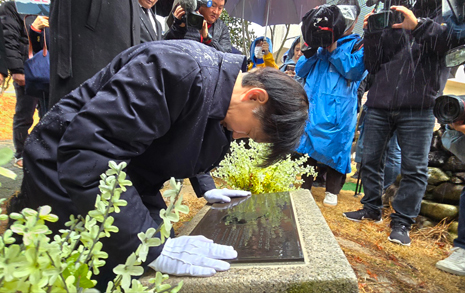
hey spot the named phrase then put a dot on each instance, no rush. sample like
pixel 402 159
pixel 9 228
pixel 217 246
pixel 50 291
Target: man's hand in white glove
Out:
pixel 193 256
pixel 224 195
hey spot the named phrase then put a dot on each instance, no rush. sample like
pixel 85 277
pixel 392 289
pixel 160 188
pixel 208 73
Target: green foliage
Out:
pixel 5 156
pixel 69 262
pixel 240 170
pixel 241 35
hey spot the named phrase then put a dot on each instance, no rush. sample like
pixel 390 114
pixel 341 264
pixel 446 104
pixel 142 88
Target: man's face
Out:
pixel 241 119
pixel 246 126
pixel 211 14
pixel 147 3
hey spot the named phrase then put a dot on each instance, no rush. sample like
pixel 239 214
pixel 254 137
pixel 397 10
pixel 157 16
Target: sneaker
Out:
pixel 330 199
pixel 455 263
pixel 364 214
pixel 399 234
pixel 18 163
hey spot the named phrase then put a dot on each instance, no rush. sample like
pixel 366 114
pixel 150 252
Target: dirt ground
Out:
pixel 380 265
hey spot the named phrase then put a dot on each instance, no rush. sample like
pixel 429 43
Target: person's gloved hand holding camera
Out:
pixel 193 256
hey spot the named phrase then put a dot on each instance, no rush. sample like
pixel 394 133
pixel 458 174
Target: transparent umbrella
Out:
pixel 271 12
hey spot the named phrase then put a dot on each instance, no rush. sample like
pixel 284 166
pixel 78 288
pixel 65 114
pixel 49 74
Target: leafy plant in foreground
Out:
pixel 69 262
pixel 240 170
pixel 5 156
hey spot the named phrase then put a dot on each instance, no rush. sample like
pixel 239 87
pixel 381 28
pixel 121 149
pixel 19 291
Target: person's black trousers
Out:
pixel 334 179
pixel 23 118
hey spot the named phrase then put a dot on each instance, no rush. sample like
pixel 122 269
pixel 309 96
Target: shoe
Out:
pixel 455 263
pixel 399 234
pixel 364 214
pixel 18 163
pixel 330 199
pixel 319 184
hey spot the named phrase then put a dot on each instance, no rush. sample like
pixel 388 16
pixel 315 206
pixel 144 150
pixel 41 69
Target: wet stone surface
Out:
pixel 261 228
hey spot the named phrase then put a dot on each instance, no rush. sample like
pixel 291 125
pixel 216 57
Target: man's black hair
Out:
pixel 350 2
pixel 285 114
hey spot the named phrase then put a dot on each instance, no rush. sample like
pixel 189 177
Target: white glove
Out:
pixel 224 195
pixel 193 256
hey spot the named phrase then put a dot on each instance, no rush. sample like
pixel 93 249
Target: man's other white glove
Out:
pixel 224 195
pixel 193 256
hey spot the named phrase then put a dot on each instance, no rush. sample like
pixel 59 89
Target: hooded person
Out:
pixel 260 53
pixel 332 76
pixel 293 55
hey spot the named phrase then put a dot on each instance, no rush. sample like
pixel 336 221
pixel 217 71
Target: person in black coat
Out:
pixel 167 112
pixel 150 27
pixel 407 62
pixel 87 35
pixel 16 48
pixel 3 65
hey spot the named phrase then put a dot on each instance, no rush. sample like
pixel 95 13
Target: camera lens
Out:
pixel 448 109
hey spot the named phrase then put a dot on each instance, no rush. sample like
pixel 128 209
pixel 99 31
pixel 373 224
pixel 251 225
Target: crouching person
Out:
pixel 167 109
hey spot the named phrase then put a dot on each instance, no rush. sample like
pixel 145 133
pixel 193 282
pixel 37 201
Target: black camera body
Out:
pixel 383 19
pixel 386 17
pixel 449 108
pixel 193 18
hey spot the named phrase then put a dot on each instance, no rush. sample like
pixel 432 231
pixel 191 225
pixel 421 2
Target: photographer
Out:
pixel 409 73
pixel 453 139
pixel 332 73
pixel 213 33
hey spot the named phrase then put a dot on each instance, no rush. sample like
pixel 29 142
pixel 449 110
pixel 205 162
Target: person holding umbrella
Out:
pixel 260 53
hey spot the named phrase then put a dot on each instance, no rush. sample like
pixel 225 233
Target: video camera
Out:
pixel 449 108
pixel 385 17
pixel 325 24
pixel 192 17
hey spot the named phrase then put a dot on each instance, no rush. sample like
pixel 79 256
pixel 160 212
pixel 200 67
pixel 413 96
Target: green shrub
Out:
pixel 240 170
pixel 70 261
pixel 5 156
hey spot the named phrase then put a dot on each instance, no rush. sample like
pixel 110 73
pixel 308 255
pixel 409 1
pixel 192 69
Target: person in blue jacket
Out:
pixel 292 57
pixel 332 76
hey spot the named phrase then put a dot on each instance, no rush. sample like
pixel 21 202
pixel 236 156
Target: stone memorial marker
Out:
pixel 261 228
pixel 266 225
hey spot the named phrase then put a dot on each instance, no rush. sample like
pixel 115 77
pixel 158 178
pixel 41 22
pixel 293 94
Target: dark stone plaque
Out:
pixel 261 228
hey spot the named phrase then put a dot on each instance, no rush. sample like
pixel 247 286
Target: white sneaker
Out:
pixel 455 263
pixel 330 199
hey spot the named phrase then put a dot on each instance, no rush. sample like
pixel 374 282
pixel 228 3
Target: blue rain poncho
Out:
pixel 331 83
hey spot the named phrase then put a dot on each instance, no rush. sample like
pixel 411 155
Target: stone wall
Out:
pixel 445 183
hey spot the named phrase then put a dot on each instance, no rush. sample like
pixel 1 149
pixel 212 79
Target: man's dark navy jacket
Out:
pixel 156 106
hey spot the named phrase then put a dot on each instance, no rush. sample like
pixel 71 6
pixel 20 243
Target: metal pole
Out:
pixel 267 15
pixel 359 184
